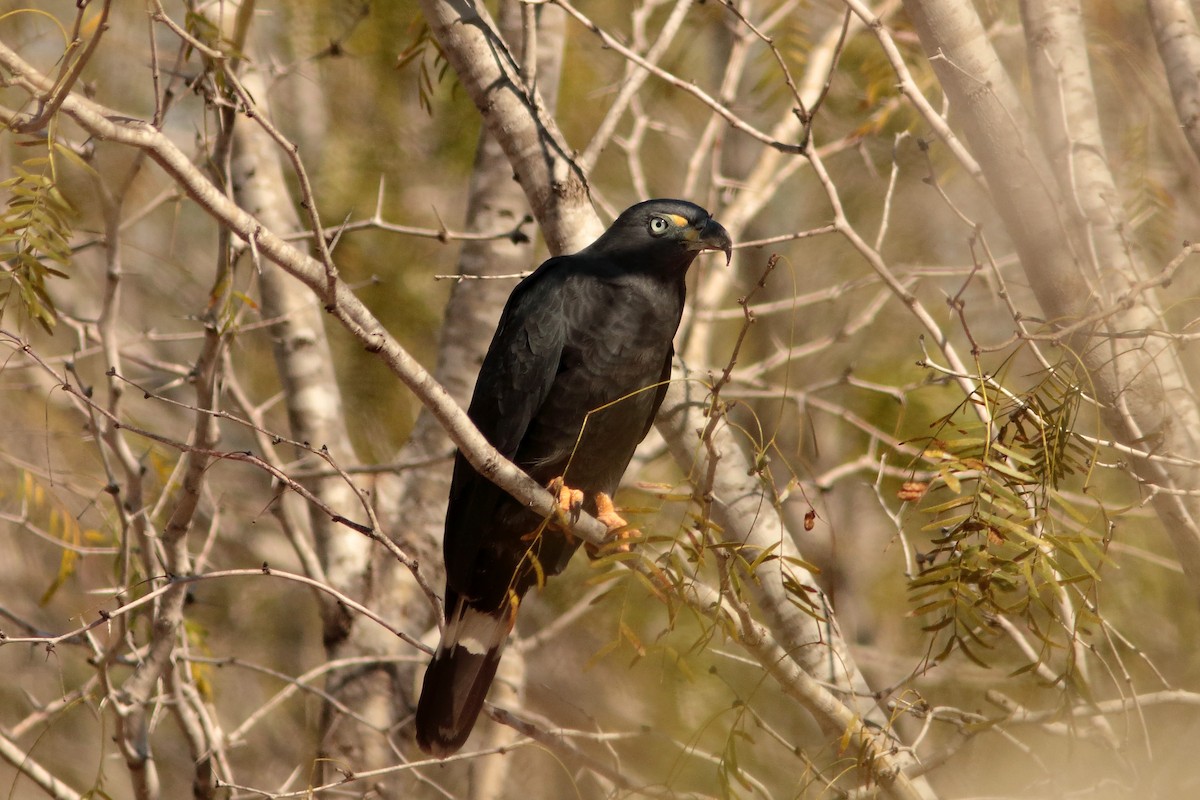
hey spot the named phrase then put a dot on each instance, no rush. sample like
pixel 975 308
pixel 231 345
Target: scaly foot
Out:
pixel 619 531
pixel 569 500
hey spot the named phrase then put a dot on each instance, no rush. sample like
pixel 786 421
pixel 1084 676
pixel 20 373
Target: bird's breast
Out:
pixel 604 393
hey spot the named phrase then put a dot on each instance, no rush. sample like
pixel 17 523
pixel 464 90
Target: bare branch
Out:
pixel 734 121
pixel 72 66
pixel 1130 383
pixel 28 766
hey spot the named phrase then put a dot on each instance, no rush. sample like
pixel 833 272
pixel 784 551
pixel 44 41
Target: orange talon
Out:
pixel 569 500
pixel 618 529
pixel 606 512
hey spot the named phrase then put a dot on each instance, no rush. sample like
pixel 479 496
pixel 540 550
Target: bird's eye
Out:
pixel 658 225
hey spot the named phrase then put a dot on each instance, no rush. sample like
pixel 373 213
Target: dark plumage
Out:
pixel 589 332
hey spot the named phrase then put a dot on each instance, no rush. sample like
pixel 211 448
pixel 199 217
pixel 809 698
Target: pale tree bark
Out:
pixel 413 503
pixel 315 415
pixel 800 618
pixel 31 768
pixel 331 553
pixel 1141 390
pixel 771 619
pixel 302 355
pixel 166 552
pixel 537 152
pixel 107 124
pixel 134 700
pixel 1069 121
pixel 1174 23
pixel 342 304
pixel 512 113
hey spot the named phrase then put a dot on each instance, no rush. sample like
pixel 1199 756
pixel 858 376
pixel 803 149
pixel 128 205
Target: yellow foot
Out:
pixel 618 529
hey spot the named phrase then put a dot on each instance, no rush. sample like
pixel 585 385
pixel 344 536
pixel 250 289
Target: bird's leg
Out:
pixel 569 500
pixel 619 531
pixel 606 512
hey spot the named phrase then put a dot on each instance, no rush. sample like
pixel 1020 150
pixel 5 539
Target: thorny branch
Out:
pixel 711 166
pixel 363 325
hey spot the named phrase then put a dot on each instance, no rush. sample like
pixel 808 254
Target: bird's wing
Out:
pixel 522 360
pixel 517 374
pixel 660 391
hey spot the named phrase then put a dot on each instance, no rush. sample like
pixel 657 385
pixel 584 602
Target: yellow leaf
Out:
pixel 847 736
pixel 66 568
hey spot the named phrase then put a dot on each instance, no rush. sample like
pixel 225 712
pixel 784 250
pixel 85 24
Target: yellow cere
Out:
pixel 678 220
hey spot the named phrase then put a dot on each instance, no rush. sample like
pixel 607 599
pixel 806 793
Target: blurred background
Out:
pixel 1054 665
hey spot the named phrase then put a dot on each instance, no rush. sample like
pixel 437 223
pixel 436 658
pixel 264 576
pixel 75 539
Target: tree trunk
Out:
pixel 1138 383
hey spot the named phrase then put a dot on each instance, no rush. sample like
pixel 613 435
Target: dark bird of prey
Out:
pixel 570 385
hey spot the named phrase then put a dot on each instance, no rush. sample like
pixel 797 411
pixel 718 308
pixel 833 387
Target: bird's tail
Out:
pixel 459 676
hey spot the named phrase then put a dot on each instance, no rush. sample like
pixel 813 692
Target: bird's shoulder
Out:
pixel 596 273
pixel 557 288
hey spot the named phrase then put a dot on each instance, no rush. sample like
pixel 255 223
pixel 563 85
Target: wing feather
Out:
pixel 517 375
pixel 660 391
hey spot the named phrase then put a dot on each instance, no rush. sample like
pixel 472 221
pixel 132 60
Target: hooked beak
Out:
pixel 712 236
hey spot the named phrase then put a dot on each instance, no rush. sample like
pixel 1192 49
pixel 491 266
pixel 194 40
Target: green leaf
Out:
pixel 66 568
pixel 947 523
pixel 1010 471
pixel 962 645
pixel 934 605
pixel 762 557
pixel 949 504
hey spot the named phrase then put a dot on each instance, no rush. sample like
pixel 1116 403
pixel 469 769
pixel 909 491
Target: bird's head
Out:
pixel 672 229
